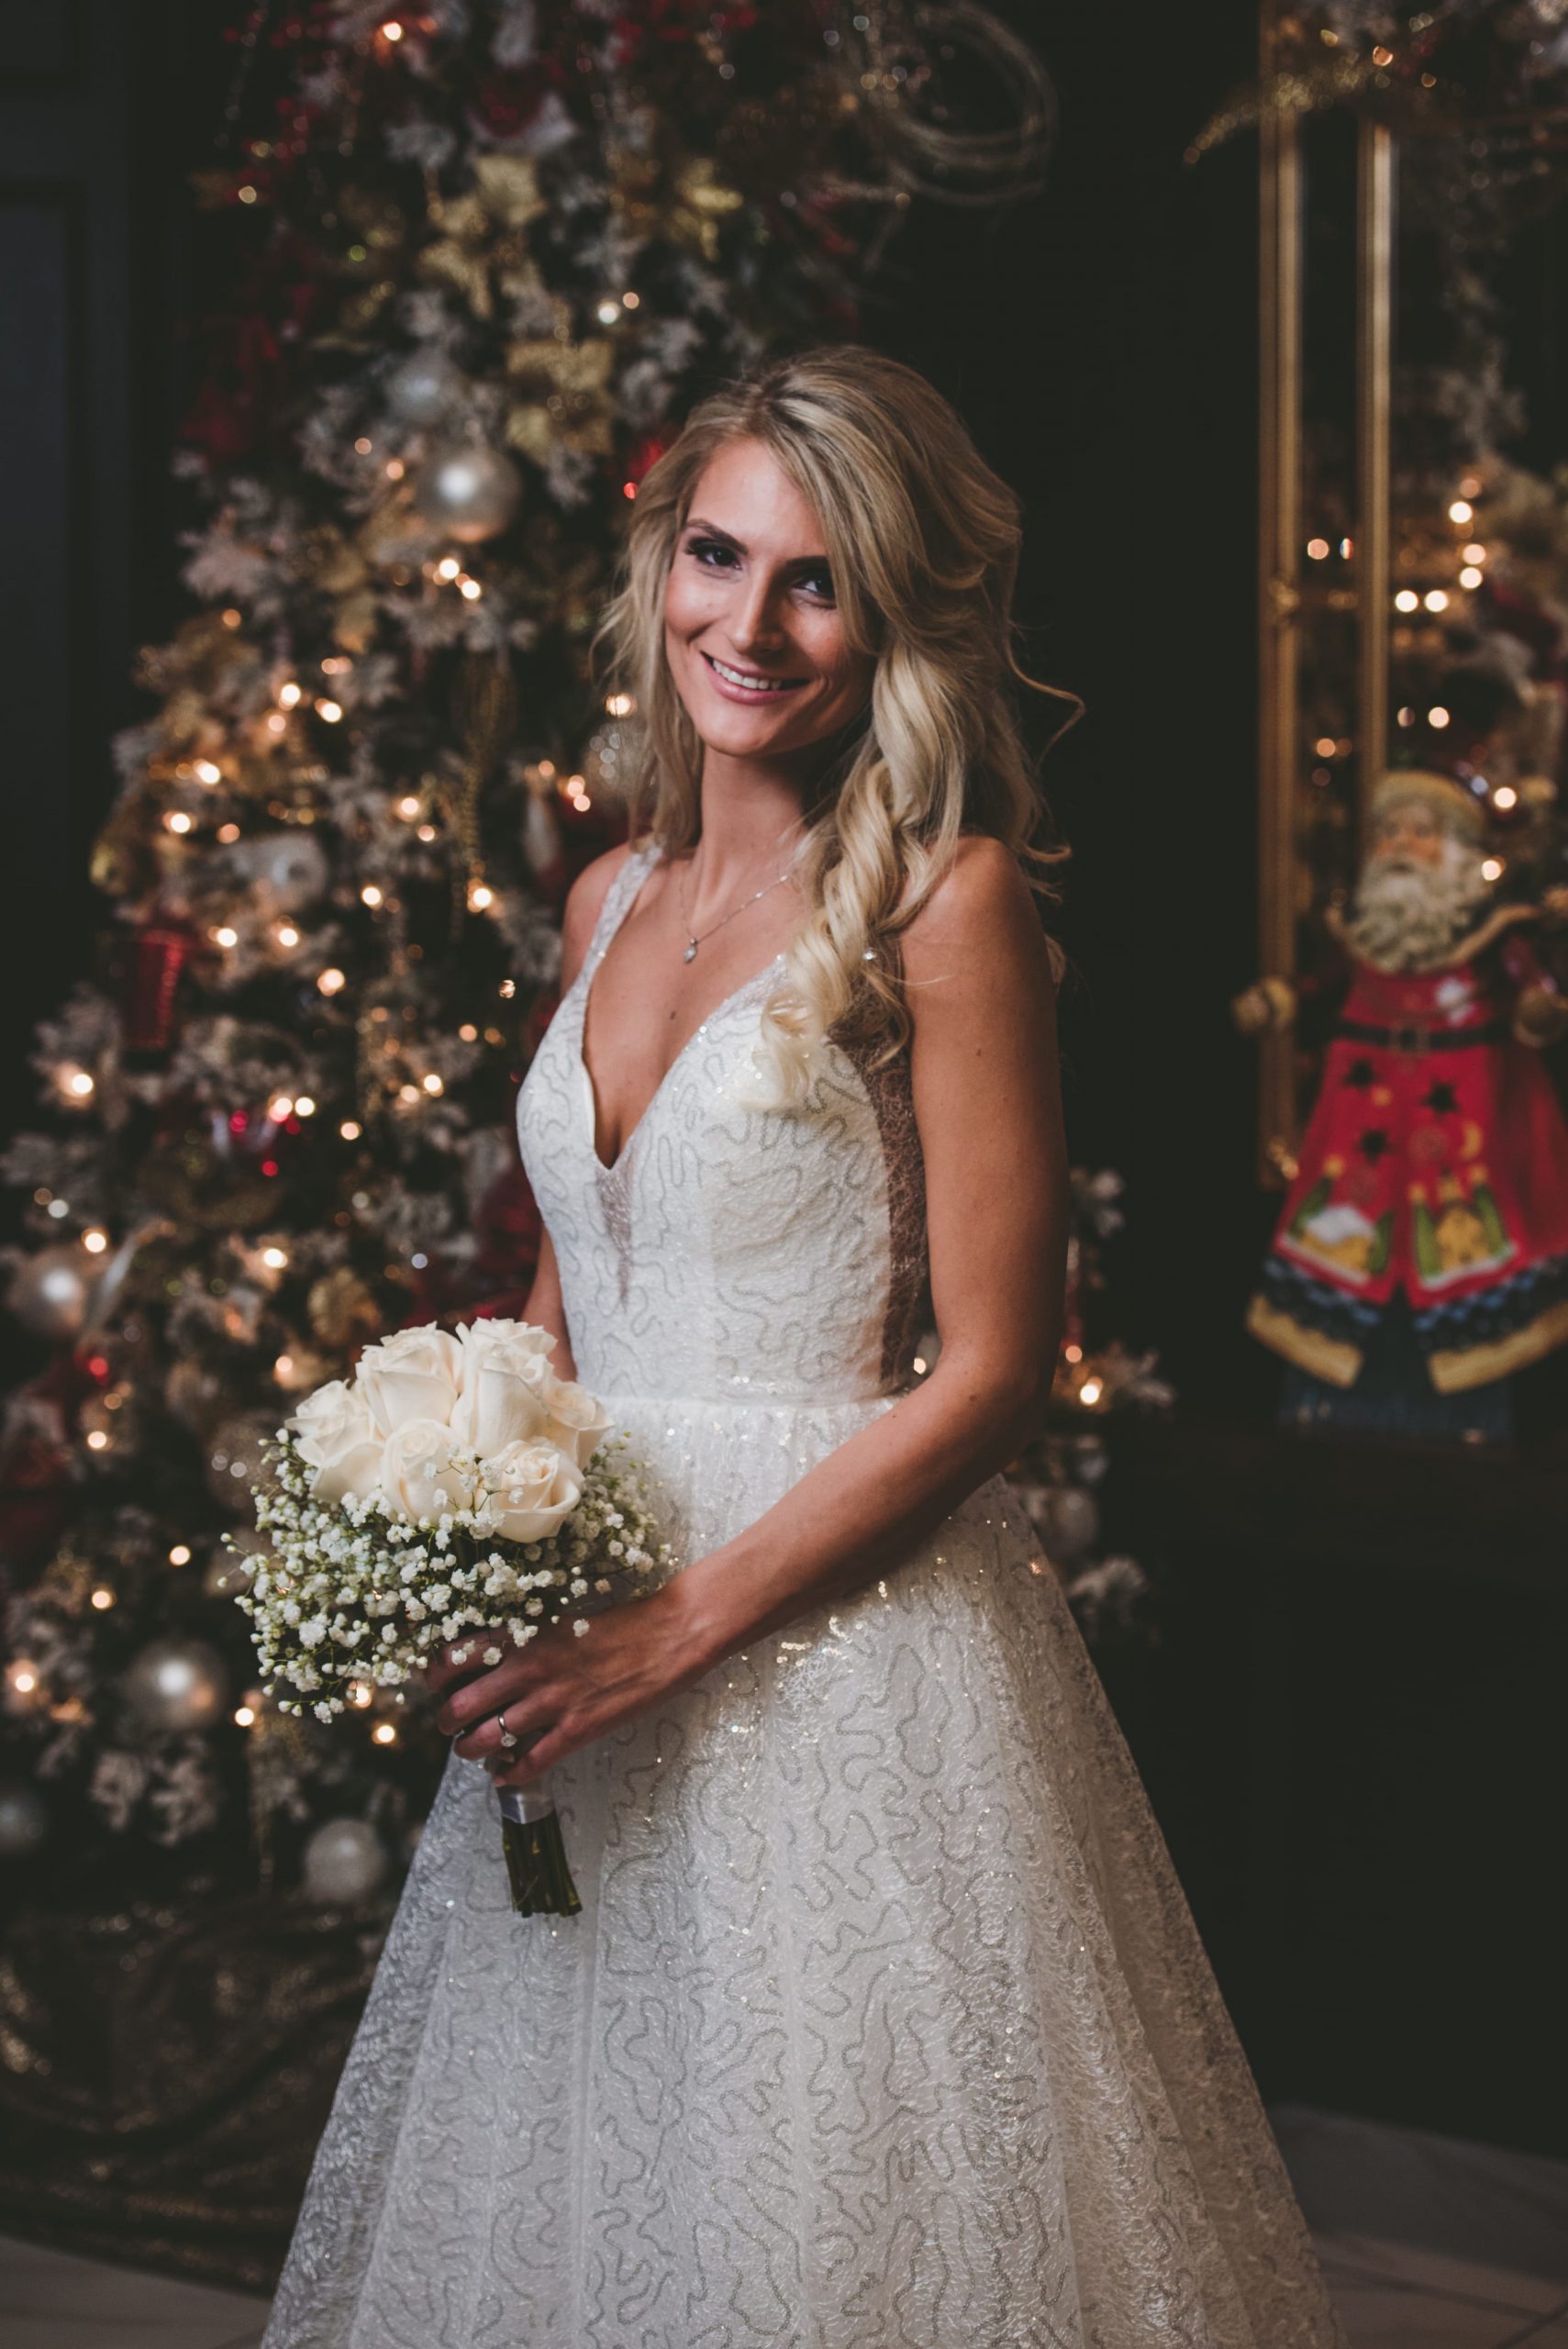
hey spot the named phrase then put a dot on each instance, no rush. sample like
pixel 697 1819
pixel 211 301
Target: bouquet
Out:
pixel 453 1486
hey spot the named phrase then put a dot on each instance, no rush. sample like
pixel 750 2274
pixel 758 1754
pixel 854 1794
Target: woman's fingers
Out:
pixel 471 1700
pixel 526 1718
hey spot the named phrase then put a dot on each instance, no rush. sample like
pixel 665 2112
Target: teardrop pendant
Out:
pixel 690 954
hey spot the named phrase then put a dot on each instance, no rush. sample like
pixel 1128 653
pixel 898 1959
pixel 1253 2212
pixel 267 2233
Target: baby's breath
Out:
pixel 355 1593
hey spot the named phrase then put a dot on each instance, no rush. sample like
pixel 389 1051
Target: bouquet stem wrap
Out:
pixel 536 1855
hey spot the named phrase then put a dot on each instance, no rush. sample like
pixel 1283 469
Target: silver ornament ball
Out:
pixel 344 1862
pixel 425 388
pixel 287 869
pixel 51 1290
pixel 1069 1522
pixel 175 1685
pixel 24 1821
pixel 234 1460
pixel 468 491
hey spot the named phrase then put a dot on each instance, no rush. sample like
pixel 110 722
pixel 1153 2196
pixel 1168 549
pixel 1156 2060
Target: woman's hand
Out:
pixel 566 1689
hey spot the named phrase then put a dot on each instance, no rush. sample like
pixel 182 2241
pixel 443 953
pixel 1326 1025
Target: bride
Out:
pixel 883 2024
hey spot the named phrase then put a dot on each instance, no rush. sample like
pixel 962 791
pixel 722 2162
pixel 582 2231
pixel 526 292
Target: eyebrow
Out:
pixel 713 531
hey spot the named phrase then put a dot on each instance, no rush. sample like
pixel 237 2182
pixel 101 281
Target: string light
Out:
pixel 227 833
pixel 244 1716
pixel 329 712
pixel 233 618
pixel 1317 550
pixel 360 1694
pixel 77 1083
pixel 1407 600
pixel 370 896
pixel 94 1241
pixel 287 934
pixel 280 1106
pixel 274 1258
pixel 1473 552
pixel 1438 717
pixel 331 980
pixel 469 589
pixel 177 820
pixel 469 1032
pixel 1324 746
pixel 385 1734
pixel 97 1440
pixel 1090 1391
pixel 395 469
pixel 432 1083
pixel 449 568
pixel 408 1093
pixel 351 1129
pixel 305 1107
pixel 608 312
pixel 206 772
pixel 23 1678
pixel 1505 798
pixel 277 723
pixel 179 1556
pixel 1492 869
pixel 1437 599
pixel 103 1598
pixel 1462 510
pixel 1469 577
pixel 289 694
pixel 337 664
pixel 392 29
pixel 480 896
pixel 408 806
pixel 619 705
pixel 426 832
pixel 633 301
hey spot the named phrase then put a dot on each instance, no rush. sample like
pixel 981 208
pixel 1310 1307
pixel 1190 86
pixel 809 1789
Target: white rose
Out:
pixel 532 1487
pixel 578 1420
pixel 417 1470
pixel 519 1337
pixel 506 1384
pixel 413 1374
pixel 338 1443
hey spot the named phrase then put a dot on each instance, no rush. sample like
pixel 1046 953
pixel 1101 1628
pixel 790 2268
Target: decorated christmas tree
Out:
pixel 485 254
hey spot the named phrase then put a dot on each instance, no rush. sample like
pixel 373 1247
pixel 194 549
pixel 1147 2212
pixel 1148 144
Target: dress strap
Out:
pixel 620 897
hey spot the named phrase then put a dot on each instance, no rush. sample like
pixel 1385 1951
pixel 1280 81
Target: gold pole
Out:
pixel 1375 334
pixel 1279 584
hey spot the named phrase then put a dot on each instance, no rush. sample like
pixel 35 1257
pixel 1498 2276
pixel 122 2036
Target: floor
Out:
pixel 1426 2244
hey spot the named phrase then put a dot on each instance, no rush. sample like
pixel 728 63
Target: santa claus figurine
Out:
pixel 1423 1250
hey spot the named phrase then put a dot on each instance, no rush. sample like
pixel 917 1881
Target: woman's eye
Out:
pixel 820 583
pixel 712 553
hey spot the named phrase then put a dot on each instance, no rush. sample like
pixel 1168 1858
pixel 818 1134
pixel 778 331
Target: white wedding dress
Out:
pixel 885 2024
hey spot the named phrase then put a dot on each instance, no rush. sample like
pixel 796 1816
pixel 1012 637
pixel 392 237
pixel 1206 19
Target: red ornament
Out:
pixel 158 955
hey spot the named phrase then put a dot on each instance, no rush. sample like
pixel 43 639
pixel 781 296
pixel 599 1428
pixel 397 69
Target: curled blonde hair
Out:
pixel 922 539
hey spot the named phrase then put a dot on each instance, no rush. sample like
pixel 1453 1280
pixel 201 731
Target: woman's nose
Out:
pixel 755 620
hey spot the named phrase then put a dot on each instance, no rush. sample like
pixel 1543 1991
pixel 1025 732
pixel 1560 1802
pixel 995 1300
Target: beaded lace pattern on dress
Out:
pixel 885 2024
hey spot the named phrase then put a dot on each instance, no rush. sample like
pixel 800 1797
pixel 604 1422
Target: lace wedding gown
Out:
pixel 885 2024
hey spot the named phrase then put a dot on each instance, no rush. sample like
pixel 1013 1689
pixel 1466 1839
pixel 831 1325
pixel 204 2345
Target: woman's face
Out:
pixel 752 631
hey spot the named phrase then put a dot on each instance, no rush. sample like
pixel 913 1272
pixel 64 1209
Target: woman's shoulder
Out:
pixel 981 887
pixel 586 900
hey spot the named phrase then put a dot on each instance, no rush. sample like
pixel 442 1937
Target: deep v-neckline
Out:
pixel 607 1166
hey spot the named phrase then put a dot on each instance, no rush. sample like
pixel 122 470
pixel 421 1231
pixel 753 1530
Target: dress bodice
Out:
pixel 730 1251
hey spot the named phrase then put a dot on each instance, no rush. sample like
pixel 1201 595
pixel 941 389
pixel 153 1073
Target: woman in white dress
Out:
pixel 883 2024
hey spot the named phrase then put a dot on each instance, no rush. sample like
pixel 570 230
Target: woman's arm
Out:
pixel 988 1108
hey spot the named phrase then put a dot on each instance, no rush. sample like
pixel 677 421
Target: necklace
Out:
pixel 694 938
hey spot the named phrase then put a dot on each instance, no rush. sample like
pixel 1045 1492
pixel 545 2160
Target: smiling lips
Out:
pixel 745 684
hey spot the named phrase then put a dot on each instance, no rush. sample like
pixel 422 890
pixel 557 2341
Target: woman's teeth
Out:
pixel 752 684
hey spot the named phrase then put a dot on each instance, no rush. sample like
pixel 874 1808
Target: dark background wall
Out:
pixel 1348 1723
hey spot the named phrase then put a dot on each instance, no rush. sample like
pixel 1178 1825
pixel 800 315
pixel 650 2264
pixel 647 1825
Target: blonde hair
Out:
pixel 922 540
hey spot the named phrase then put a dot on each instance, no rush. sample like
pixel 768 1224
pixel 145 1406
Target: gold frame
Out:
pixel 1280 547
